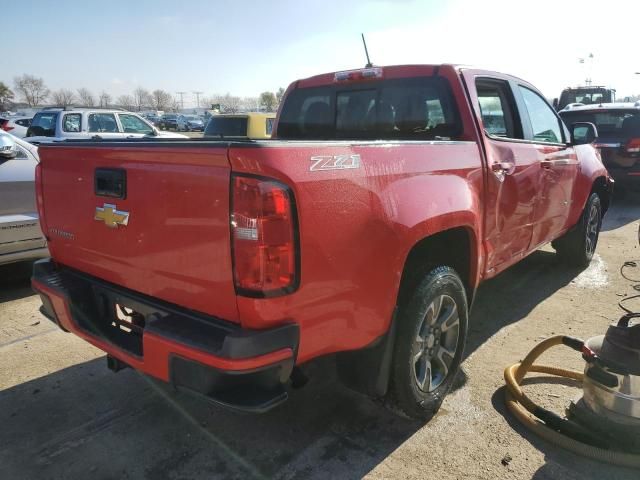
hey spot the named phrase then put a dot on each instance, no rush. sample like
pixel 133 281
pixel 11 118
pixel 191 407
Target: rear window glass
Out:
pixel 621 122
pixel 226 127
pixel 409 109
pixel 44 124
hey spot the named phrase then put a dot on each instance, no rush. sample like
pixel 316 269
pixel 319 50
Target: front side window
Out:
pixel 133 124
pixel 71 122
pixel 102 123
pixel 544 123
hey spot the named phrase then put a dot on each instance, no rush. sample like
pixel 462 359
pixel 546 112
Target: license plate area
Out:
pixel 118 319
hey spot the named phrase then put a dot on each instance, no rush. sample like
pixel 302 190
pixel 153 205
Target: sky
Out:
pixel 247 47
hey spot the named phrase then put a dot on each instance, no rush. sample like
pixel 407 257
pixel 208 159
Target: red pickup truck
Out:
pixel 362 229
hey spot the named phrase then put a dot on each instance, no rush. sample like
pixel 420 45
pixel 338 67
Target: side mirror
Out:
pixel 583 133
pixel 8 148
pixel 555 104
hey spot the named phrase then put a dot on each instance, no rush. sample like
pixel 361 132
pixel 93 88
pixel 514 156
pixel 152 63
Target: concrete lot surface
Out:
pixel 65 416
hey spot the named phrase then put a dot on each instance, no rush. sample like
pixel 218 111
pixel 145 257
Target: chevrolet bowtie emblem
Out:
pixel 111 216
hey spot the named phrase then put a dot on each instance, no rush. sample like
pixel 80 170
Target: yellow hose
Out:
pixel 520 406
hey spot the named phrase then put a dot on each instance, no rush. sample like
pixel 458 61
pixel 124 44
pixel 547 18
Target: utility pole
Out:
pixel 181 99
pixel 197 94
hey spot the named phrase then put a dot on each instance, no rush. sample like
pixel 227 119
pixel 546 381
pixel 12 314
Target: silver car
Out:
pixel 20 234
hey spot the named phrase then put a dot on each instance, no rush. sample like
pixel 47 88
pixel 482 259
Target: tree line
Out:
pixel 33 92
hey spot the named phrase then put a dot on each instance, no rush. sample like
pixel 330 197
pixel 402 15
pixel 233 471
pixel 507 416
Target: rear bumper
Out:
pixel 231 366
pixel 24 255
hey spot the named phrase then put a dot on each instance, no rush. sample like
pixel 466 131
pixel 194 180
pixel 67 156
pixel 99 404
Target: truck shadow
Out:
pixel 85 420
pixel 15 281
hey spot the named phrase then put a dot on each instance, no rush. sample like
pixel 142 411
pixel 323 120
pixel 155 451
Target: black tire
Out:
pixel 424 351
pixel 577 246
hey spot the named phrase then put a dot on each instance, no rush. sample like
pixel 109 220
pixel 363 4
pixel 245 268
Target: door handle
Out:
pixel 546 164
pixel 505 168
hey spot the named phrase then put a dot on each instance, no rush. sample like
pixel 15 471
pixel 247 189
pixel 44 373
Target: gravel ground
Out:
pixel 64 415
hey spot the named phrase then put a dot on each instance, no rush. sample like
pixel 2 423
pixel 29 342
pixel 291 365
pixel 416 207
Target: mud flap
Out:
pixel 367 370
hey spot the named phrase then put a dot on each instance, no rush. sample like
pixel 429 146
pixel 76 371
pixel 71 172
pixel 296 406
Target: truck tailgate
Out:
pixel 167 235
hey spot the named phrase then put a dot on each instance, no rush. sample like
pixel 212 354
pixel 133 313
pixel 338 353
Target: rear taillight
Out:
pixel 40 199
pixel 4 125
pixel 264 237
pixel 633 146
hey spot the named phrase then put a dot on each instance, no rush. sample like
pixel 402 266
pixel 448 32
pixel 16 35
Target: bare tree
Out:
pixel 104 99
pixel 63 97
pixel 161 100
pixel 279 95
pixel 268 101
pixel 126 101
pixel 31 89
pixel 228 103
pixel 86 97
pixel 176 104
pixel 141 98
pixel 250 104
pixel 6 95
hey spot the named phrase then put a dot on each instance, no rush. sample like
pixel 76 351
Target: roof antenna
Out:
pixel 366 52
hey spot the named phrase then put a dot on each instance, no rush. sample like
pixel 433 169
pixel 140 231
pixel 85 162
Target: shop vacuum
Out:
pixel 604 423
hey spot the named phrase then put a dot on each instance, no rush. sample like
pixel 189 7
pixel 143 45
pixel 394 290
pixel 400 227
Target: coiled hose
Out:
pixel 549 425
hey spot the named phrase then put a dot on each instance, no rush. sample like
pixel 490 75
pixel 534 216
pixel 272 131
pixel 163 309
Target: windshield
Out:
pixel 616 122
pixel 226 127
pixel 410 108
pixel 43 124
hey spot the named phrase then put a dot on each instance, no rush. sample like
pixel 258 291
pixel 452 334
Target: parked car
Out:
pixel 362 229
pixel 20 234
pixel 245 125
pixel 55 124
pixel 153 119
pixel 16 126
pixel 618 139
pixel 190 123
pixel 586 95
pixel 169 121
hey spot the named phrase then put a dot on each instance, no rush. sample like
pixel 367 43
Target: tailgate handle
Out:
pixel 111 182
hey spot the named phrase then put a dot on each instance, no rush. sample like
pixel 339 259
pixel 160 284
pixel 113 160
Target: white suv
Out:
pixel 55 124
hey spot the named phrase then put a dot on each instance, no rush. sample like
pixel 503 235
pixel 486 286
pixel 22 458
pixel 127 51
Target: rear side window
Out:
pixel 71 122
pixel 102 123
pixel 43 124
pixel 226 127
pixel 24 122
pixel 407 109
pixel 497 109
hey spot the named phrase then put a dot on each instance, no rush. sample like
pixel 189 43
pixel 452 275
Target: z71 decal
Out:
pixel 334 162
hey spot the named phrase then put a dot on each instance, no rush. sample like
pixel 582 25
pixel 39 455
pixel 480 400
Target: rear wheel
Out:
pixel 578 246
pixel 432 331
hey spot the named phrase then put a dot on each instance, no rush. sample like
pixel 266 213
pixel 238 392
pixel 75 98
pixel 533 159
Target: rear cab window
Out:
pixel 220 126
pixel 420 108
pixel 44 124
